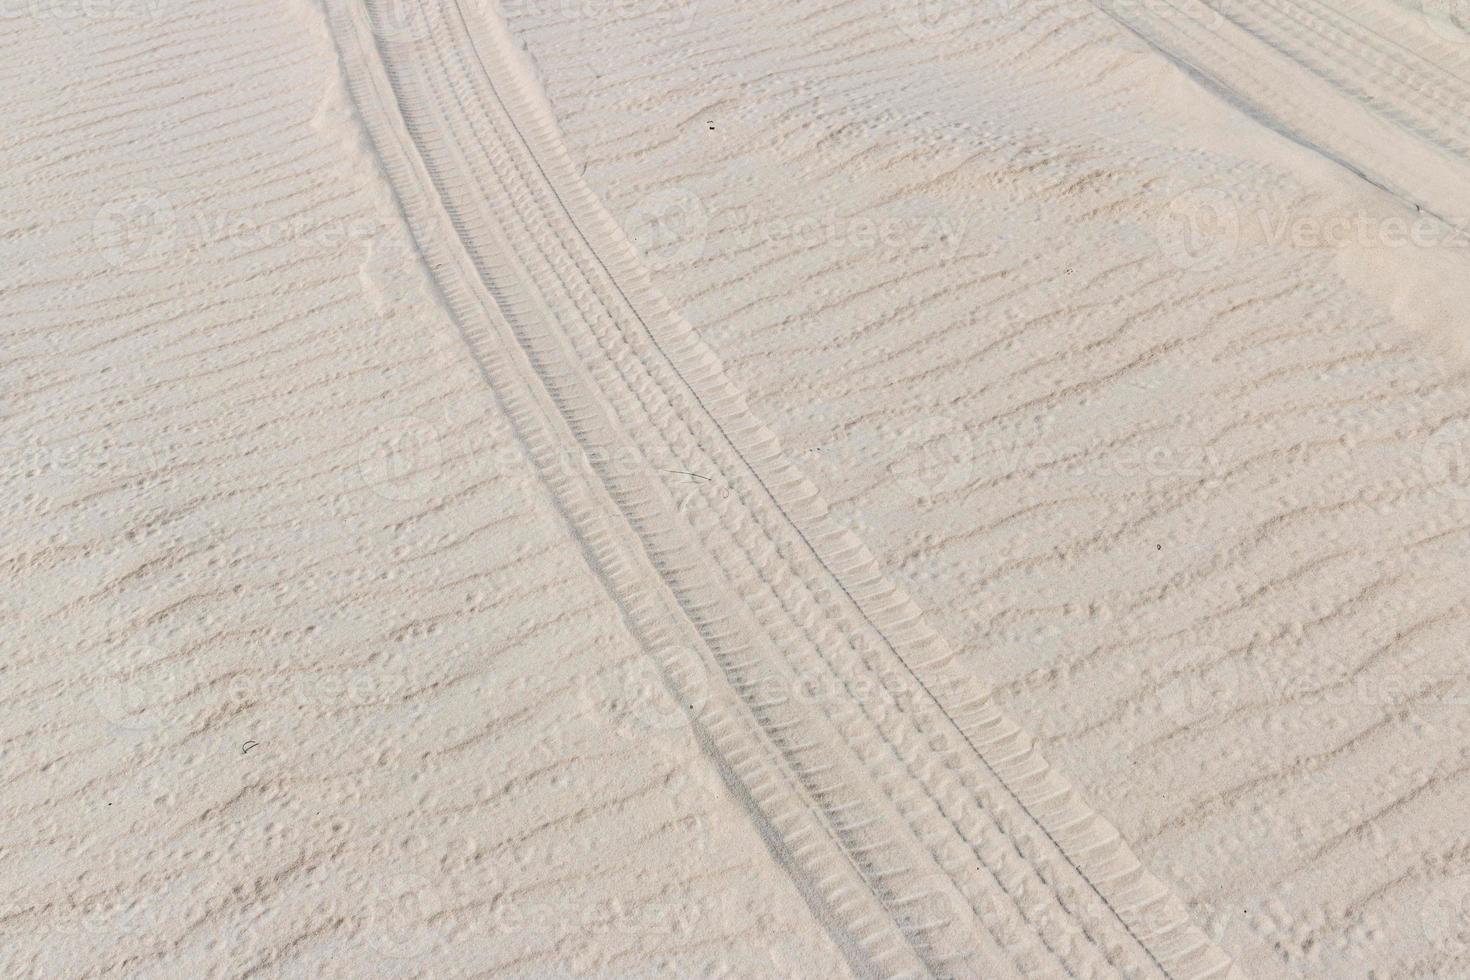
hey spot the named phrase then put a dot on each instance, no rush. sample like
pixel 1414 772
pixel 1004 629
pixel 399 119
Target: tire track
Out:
pixel 631 527
pixel 1331 81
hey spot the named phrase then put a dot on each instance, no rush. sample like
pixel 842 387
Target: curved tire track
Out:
pixel 911 776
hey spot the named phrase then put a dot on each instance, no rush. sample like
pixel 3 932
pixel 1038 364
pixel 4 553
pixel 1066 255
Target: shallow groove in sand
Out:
pixel 747 572
pixel 1333 80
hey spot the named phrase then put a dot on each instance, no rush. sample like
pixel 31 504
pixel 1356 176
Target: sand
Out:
pixel 663 488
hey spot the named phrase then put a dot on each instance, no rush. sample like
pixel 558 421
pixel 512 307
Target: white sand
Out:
pixel 405 581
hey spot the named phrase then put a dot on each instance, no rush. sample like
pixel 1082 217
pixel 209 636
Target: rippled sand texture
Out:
pixel 1128 340
pixel 303 674
pixel 405 581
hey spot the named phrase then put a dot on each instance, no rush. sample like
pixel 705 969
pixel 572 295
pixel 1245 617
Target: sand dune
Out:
pixel 471 463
